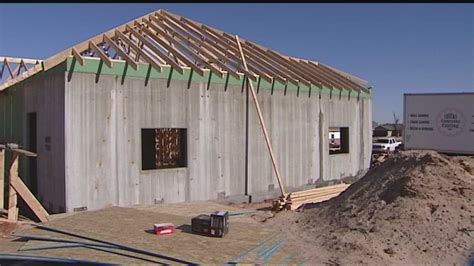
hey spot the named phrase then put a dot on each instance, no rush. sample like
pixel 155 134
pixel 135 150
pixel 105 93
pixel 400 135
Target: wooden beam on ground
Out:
pixel 137 50
pixel 101 54
pixel 262 123
pixel 122 53
pixel 78 56
pixel 155 50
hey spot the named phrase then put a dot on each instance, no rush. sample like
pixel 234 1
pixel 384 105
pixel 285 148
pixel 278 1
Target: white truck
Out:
pixel 385 145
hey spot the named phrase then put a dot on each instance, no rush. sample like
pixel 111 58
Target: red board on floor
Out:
pixel 164 229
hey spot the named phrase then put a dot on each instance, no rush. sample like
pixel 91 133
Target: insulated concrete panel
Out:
pixel 45 96
pixel 292 123
pixel 104 118
pixel 103 132
pixel 355 114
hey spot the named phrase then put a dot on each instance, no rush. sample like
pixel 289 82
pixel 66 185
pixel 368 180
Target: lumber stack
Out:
pixel 294 200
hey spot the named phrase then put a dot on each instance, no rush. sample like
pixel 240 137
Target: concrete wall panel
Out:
pixel 103 134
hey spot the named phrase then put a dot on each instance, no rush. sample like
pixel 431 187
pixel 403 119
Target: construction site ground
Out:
pixel 412 207
pixel 248 241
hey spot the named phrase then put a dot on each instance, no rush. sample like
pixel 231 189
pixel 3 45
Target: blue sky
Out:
pixel 399 48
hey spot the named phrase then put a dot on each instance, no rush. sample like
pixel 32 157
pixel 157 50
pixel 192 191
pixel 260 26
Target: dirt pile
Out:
pixel 415 207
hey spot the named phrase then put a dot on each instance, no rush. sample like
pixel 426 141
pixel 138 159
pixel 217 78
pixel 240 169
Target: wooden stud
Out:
pixel 12 196
pixel 348 76
pixel 101 54
pixel 229 51
pixel 2 178
pixel 308 74
pixel 268 61
pixel 186 49
pixel 259 60
pixel 217 46
pixel 262 123
pixel 60 57
pixel 203 41
pixel 341 84
pixel 168 47
pixel 122 54
pixel 155 50
pixel 148 59
pixel 337 75
pixel 277 60
pixel 297 71
pixel 190 40
pixel 211 52
pixel 315 72
pixel 78 56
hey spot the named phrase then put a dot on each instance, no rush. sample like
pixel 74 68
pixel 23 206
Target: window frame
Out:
pixel 183 132
pixel 344 140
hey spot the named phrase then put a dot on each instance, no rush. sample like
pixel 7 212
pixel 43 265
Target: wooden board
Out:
pixel 321 189
pixel 12 195
pixel 2 178
pixel 30 200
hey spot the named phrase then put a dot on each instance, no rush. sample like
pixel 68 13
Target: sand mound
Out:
pixel 416 207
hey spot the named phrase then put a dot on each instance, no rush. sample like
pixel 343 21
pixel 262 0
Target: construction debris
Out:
pixel 414 208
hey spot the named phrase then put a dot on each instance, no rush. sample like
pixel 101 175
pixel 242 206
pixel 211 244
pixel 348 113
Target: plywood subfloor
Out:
pixel 247 241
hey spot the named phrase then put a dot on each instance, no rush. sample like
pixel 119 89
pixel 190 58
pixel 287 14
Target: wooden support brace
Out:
pixel 2 178
pixel 17 187
pixel 12 197
pixel 262 123
pixel 29 198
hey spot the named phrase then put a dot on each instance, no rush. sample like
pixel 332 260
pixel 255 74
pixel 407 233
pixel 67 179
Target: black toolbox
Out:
pixel 216 224
pixel 219 223
pixel 201 224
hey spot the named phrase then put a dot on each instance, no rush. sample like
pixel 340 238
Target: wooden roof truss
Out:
pixel 161 38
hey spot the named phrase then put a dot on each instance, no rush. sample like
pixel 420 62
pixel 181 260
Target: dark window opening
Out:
pixel 338 140
pixel 163 148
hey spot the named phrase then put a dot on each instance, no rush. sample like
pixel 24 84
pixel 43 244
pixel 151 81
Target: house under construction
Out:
pixel 158 110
